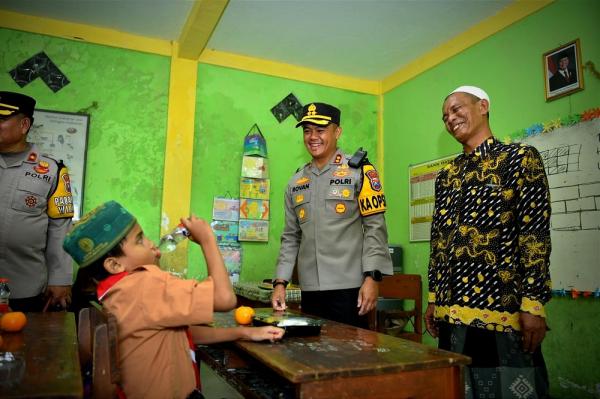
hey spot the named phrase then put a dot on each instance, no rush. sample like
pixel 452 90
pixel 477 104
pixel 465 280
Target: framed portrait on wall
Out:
pixel 563 70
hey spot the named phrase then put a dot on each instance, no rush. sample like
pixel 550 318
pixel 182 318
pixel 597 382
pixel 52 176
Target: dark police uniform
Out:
pixel 36 208
pixel 334 227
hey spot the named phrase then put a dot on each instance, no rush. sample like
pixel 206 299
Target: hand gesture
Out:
pixel 270 333
pixel 533 329
pixel 59 296
pixel 367 296
pixel 199 229
pixel 430 323
pixel 278 298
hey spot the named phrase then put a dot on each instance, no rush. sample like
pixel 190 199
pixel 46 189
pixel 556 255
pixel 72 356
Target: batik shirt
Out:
pixel 490 237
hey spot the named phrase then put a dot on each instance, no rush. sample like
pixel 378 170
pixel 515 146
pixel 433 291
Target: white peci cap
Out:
pixel 476 91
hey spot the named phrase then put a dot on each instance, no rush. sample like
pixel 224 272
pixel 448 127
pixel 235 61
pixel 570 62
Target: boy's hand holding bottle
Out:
pixel 200 230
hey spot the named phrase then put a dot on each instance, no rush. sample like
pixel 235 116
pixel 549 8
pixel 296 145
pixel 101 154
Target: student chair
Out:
pixel 402 286
pixel 99 352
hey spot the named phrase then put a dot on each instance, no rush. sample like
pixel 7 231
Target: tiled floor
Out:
pixel 214 387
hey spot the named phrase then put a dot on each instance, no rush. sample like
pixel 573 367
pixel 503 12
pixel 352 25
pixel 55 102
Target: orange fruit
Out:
pixel 244 315
pixel 13 321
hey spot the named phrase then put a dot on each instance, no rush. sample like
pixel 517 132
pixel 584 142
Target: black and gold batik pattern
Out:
pixel 490 238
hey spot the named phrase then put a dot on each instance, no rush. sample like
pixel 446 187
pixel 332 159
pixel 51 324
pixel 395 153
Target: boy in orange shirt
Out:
pixel 154 309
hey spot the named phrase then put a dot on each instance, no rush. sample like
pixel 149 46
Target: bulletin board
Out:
pixel 571 157
pixel 63 136
pixel 422 196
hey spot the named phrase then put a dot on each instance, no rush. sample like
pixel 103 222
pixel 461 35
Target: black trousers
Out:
pixel 336 305
pixel 31 304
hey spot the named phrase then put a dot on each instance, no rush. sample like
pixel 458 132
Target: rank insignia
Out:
pixel 338 159
pixel 341 173
pixel 302 180
pixel 340 208
pixel 31 157
pixel 42 167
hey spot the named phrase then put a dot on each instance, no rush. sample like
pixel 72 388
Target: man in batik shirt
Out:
pixel 490 247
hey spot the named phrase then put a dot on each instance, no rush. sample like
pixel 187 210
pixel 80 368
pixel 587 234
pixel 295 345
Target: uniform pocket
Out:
pixel 340 202
pixel 301 203
pixel 30 196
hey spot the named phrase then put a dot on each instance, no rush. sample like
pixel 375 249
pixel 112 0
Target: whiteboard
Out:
pixel 63 136
pixel 571 157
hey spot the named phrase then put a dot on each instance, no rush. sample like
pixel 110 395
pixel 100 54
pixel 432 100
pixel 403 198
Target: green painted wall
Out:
pixel 508 66
pixel 229 102
pixel 125 152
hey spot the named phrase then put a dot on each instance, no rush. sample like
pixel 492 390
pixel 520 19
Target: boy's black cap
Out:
pixel 320 114
pixel 13 103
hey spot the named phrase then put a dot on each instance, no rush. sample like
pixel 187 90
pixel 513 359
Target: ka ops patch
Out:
pixel 371 199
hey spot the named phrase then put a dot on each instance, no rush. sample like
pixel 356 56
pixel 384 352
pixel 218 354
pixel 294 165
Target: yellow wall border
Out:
pixel 380 138
pixel 506 17
pixel 83 33
pixel 289 71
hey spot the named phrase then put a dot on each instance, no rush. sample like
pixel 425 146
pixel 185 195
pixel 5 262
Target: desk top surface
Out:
pixel 42 360
pixel 343 351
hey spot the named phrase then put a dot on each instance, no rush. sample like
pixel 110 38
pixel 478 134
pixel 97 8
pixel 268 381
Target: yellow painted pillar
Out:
pixel 380 137
pixel 179 150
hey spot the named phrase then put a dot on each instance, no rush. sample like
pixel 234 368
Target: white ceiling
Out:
pixel 367 39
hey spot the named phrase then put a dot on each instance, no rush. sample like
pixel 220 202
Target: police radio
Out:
pixel 359 157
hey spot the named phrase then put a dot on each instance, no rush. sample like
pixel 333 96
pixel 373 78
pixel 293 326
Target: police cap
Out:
pixel 319 114
pixel 14 103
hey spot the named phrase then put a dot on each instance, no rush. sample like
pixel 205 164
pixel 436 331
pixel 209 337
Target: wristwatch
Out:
pixel 280 282
pixel 374 274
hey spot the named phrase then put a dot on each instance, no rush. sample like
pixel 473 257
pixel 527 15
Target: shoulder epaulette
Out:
pixel 302 167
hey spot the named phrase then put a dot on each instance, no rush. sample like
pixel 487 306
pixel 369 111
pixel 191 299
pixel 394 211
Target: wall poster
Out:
pixel 63 136
pixel 422 196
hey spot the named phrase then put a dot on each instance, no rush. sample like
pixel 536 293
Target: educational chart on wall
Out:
pixel 422 196
pixel 63 136
pixel 571 157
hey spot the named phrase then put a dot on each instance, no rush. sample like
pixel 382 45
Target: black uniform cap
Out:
pixel 14 103
pixel 320 114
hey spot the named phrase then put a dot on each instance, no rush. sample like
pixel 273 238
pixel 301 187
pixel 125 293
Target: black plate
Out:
pixel 294 325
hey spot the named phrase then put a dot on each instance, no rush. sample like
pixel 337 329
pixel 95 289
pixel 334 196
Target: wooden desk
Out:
pixel 46 361
pixel 342 362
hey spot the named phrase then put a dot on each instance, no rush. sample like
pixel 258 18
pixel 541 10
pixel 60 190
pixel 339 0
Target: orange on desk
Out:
pixel 244 314
pixel 13 321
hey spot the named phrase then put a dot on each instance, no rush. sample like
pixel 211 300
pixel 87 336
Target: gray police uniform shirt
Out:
pixel 31 253
pixel 325 231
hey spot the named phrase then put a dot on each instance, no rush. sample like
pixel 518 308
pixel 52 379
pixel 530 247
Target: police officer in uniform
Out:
pixel 334 227
pixel 36 208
